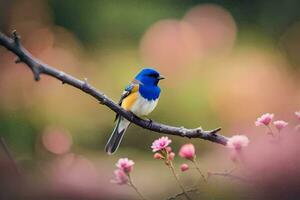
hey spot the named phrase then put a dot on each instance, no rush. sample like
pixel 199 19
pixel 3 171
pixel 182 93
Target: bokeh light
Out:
pixel 215 27
pixel 56 140
pixel 169 44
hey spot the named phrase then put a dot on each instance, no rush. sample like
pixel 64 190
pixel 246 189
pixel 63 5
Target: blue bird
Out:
pixel 140 97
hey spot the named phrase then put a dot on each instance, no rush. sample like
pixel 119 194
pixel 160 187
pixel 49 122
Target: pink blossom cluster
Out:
pixel 160 144
pixel 280 124
pixel 121 177
pixel 124 167
pixel 237 142
pixel 267 118
pixel 164 152
pixel 187 151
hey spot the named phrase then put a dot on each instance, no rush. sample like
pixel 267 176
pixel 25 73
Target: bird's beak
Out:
pixel 161 77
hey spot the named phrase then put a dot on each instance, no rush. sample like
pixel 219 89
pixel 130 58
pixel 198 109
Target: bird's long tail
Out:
pixel 117 135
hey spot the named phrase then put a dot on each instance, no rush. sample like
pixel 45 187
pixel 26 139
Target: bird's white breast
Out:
pixel 142 106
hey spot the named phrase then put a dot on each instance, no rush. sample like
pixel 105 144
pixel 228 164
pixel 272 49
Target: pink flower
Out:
pixel 171 156
pixel 265 119
pixel 184 167
pixel 125 164
pixel 280 124
pixel 187 151
pixel 169 149
pixel 297 113
pixel 121 177
pixel 158 156
pixel 237 142
pixel 160 144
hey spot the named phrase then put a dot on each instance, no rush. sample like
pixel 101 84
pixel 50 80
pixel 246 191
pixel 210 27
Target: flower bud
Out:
pixel 184 167
pixel 158 156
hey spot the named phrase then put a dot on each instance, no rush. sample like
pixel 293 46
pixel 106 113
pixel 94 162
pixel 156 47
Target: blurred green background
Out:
pixel 226 62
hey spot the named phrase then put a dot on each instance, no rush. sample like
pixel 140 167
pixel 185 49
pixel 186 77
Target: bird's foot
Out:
pixel 134 116
pixel 144 118
pixel 149 121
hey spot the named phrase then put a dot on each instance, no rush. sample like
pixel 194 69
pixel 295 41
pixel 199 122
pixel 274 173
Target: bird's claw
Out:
pixel 149 122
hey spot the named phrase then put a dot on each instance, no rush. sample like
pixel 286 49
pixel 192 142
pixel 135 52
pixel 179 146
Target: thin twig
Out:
pixel 178 181
pixel 135 188
pixel 180 194
pixel 270 131
pixel 198 169
pixel 229 175
pixel 37 67
pixel 10 156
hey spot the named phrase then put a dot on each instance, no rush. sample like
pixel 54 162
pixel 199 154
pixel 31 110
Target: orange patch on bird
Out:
pixel 129 100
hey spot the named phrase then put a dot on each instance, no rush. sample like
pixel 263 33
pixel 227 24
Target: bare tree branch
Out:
pixel 37 67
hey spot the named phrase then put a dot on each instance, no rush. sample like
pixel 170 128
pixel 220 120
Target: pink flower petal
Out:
pixel 121 177
pixel 237 142
pixel 280 124
pixel 160 144
pixel 125 164
pixel 158 156
pixel 187 151
pixel 265 119
pixel 184 167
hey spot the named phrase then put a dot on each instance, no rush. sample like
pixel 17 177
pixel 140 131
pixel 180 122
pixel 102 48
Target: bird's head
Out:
pixel 149 76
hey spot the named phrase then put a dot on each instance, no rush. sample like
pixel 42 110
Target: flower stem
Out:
pixel 198 169
pixel 178 181
pixel 271 131
pixel 279 135
pixel 130 183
